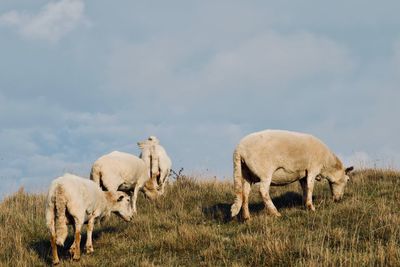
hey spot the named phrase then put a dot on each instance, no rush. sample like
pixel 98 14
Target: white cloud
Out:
pixel 55 20
pixel 273 58
pixel 170 70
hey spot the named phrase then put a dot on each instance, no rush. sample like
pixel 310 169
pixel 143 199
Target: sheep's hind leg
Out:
pixel 75 248
pixel 89 244
pixel 245 203
pixel 264 191
pixel 54 251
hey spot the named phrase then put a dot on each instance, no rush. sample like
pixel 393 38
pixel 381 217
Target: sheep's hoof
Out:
pixel 274 212
pixel 235 209
pixel 310 207
pixel 245 215
pixel 89 250
pixel 71 251
pixel 76 258
pixel 56 262
pixel 246 219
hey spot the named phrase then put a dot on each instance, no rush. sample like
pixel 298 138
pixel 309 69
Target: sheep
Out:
pixel 157 162
pixel 75 200
pixel 124 172
pixel 277 157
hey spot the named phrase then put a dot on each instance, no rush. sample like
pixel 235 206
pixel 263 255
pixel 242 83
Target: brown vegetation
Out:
pixel 190 226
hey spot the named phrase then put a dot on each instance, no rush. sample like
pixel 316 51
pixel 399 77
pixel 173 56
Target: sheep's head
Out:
pixel 121 204
pixel 338 181
pixel 150 141
pixel 154 139
pixel 150 190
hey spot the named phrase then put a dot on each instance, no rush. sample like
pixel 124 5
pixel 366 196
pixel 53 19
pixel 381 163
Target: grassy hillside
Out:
pixel 190 226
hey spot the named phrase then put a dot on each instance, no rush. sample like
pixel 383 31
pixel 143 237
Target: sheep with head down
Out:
pixel 277 157
pixel 120 171
pixel 76 201
pixel 157 162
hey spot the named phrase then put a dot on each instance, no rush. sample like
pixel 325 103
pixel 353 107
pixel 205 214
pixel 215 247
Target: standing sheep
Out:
pixel 75 200
pixel 275 157
pixel 124 172
pixel 157 162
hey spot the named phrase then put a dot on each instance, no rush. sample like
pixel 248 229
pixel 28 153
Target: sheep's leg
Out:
pixel 310 188
pixel 51 224
pixel 161 188
pixel 89 244
pixel 245 203
pixel 54 251
pixel 77 248
pixel 72 247
pixel 163 178
pixel 303 184
pixel 134 198
pixel 264 190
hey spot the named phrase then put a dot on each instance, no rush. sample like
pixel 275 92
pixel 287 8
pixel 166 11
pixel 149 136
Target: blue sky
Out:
pixel 79 79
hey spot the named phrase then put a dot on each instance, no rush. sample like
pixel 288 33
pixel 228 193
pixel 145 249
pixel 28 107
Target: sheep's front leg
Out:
pixel 89 244
pixel 134 198
pixel 310 188
pixel 163 178
pixel 303 184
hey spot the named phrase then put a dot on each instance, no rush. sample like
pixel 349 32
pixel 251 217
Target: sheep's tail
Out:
pixel 59 203
pixel 50 214
pixel 95 174
pixel 238 183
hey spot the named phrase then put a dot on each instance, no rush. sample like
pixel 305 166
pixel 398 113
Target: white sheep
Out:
pixel 124 172
pixel 275 157
pixel 157 162
pixel 75 200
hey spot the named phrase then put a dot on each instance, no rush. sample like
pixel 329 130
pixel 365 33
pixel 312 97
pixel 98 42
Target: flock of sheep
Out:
pixel 270 157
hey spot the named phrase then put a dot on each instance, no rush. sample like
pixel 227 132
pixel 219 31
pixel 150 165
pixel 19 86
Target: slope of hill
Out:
pixel 190 226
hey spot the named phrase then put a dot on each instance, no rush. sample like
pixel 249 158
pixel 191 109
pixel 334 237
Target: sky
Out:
pixel 81 78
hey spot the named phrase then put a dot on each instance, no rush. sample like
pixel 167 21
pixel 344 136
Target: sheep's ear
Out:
pixel 120 198
pixel 153 139
pixel 348 170
pixel 140 144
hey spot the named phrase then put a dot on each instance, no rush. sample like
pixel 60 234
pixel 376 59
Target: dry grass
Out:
pixel 190 226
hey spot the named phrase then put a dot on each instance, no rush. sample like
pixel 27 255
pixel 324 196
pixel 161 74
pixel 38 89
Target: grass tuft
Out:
pixel 190 226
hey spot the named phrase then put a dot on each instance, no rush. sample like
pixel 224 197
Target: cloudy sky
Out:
pixel 80 78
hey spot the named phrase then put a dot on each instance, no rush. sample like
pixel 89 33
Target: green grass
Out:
pixel 190 226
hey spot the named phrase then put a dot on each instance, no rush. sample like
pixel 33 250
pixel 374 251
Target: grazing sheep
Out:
pixel 75 200
pixel 275 157
pixel 157 161
pixel 124 172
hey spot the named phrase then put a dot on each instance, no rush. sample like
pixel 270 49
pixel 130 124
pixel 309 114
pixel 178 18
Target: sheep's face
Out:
pixel 339 183
pixel 146 144
pixel 150 190
pixel 146 150
pixel 122 205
